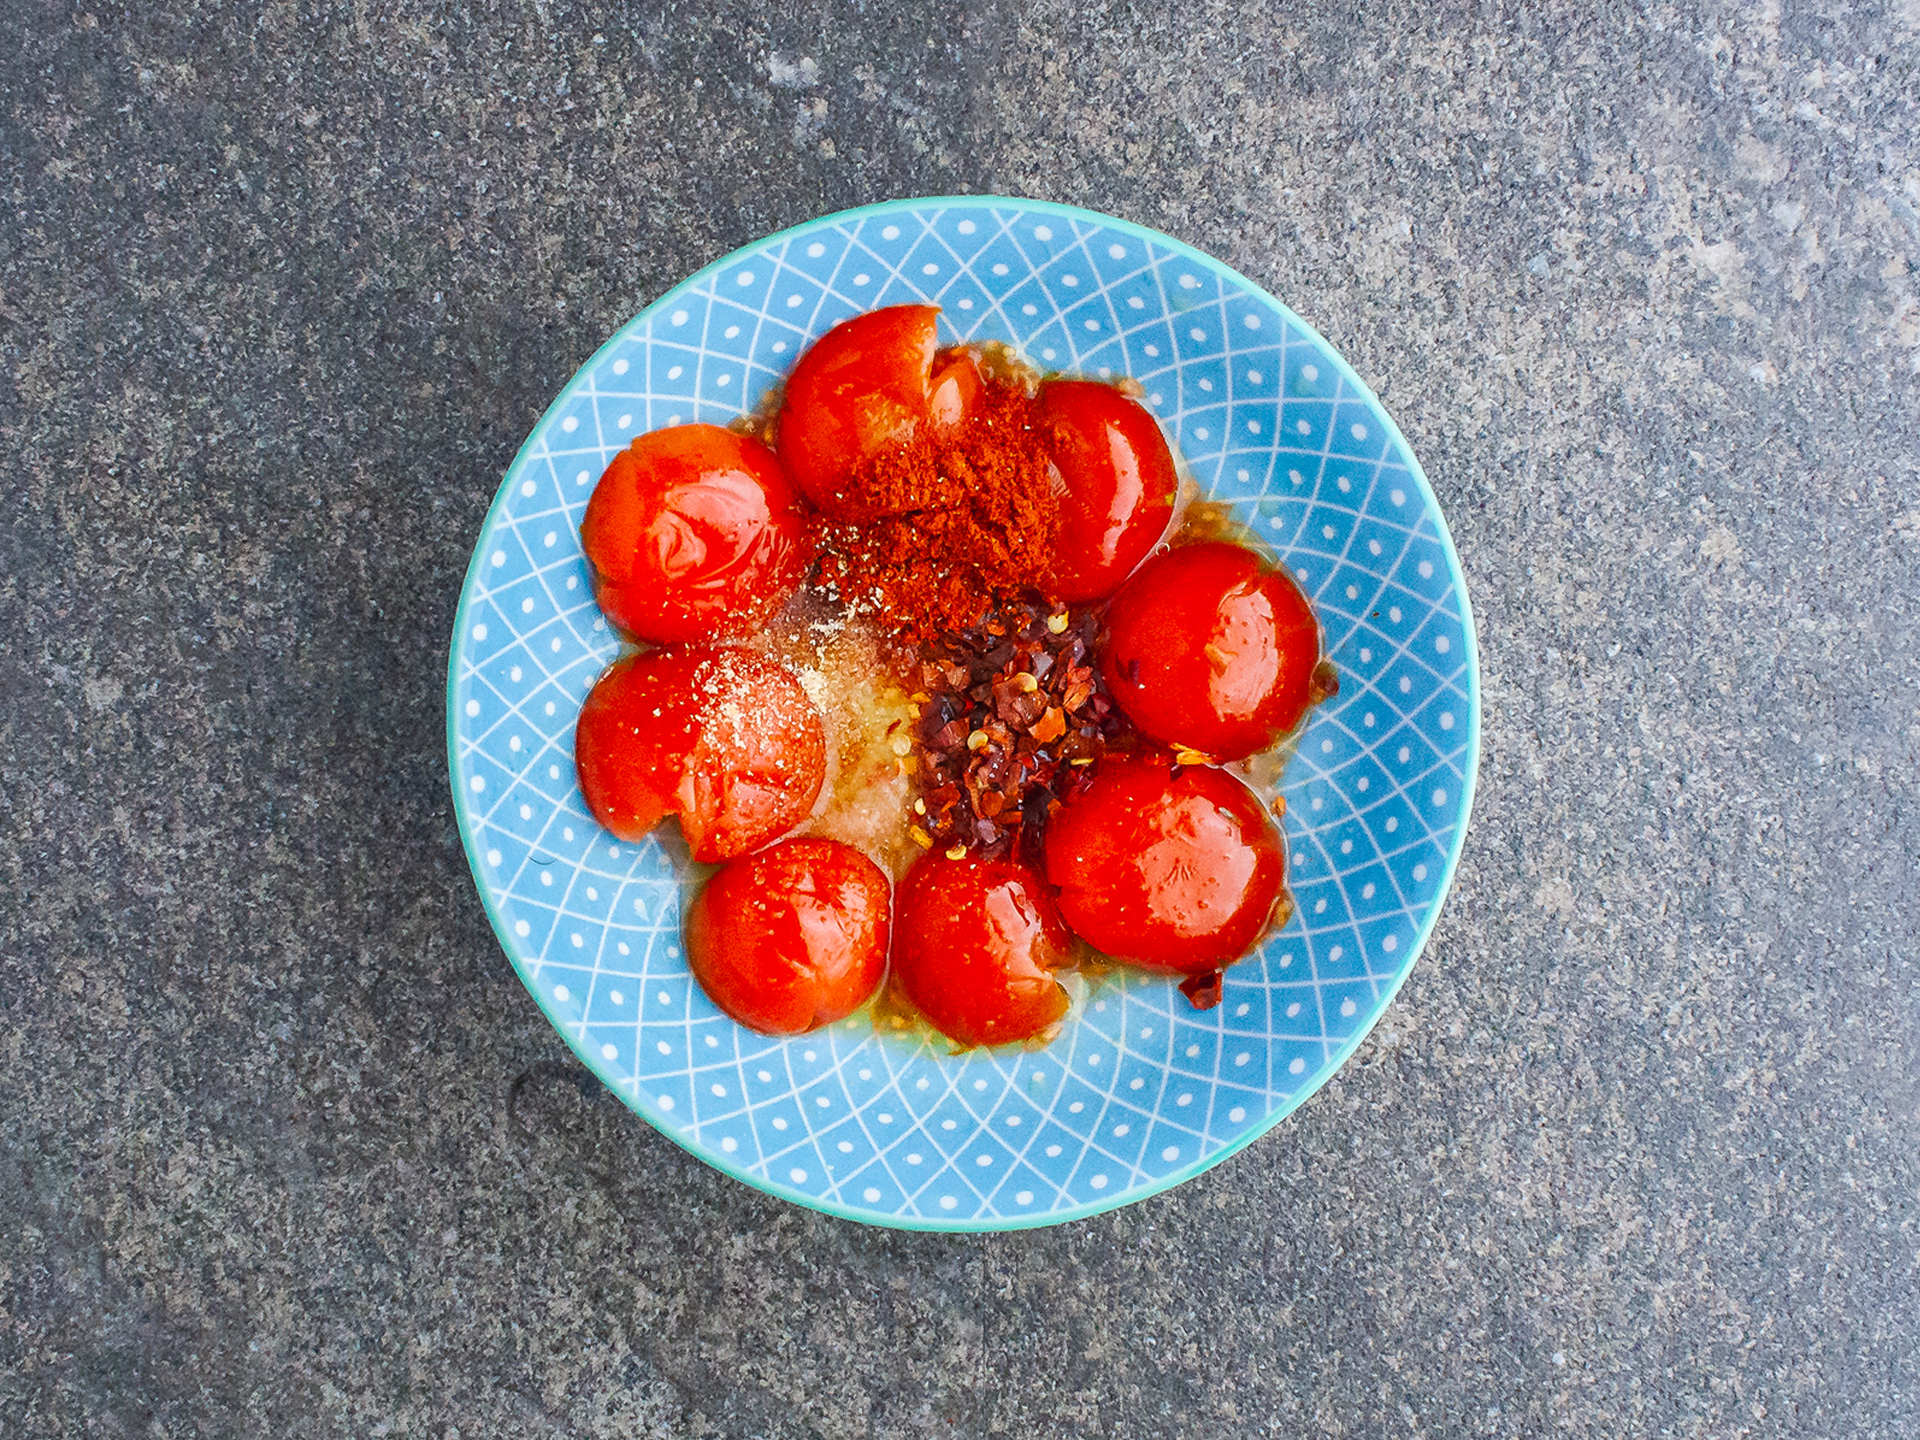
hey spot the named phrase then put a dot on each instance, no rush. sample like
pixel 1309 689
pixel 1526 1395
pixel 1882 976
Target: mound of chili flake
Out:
pixel 1013 714
pixel 950 525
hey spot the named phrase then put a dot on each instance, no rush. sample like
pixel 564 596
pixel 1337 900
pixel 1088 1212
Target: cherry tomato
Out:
pixel 694 532
pixel 1167 867
pixel 1212 649
pixel 793 937
pixel 723 738
pixel 861 389
pixel 975 942
pixel 1119 485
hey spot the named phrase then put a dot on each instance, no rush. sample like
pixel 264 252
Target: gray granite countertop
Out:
pixel 286 1149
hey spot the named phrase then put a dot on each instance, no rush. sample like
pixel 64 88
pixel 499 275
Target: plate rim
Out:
pixel 1337 1061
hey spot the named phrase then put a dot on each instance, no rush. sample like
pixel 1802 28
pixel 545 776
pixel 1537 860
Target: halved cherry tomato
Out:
pixel 694 532
pixel 1211 648
pixel 975 944
pixel 793 937
pixel 723 738
pixel 1168 867
pixel 1119 485
pixel 861 389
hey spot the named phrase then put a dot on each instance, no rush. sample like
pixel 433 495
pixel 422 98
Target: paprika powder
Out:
pixel 956 521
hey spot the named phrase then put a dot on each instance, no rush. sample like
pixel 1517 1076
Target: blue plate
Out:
pixel 1140 1091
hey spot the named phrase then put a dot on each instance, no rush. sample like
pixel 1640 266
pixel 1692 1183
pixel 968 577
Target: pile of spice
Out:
pixel 952 524
pixel 1012 713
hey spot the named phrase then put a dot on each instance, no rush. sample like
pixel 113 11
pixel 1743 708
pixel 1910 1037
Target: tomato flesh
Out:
pixel 723 738
pixel 975 945
pixel 694 532
pixel 1118 485
pixel 953 392
pixel 1172 868
pixel 859 391
pixel 1212 649
pixel 793 937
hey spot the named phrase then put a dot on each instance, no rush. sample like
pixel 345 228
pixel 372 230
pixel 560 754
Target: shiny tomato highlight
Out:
pixel 1166 867
pixel 861 389
pixel 1119 485
pixel 723 738
pixel 975 945
pixel 1212 649
pixel 694 532
pixel 792 937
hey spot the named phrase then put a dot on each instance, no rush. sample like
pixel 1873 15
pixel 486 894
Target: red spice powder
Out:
pixel 950 525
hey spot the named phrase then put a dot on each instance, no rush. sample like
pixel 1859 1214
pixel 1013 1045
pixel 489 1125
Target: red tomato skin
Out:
pixel 861 388
pixel 722 737
pixel 975 943
pixel 792 937
pixel 1211 649
pixel 694 532
pixel 1170 868
pixel 1118 485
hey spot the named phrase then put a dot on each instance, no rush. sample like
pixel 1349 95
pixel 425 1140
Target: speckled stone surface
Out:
pixel 284 1147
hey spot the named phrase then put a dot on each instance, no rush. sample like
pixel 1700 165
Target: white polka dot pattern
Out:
pixel 1139 1091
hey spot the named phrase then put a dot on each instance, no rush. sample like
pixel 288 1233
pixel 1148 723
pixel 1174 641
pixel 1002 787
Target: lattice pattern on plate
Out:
pixel 1140 1091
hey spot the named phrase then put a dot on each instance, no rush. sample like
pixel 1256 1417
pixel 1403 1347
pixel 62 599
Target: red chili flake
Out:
pixel 1013 718
pixel 1203 990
